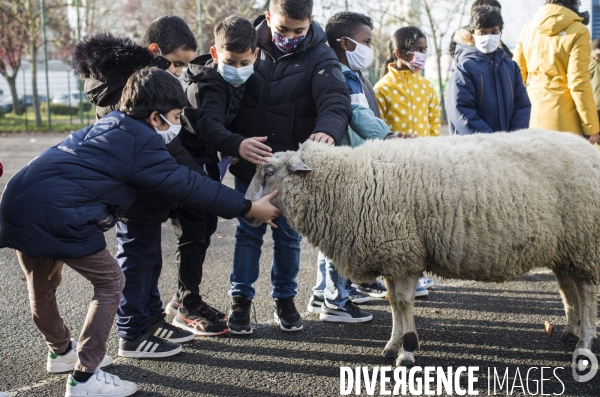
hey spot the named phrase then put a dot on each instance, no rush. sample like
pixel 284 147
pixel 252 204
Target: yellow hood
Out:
pixel 552 19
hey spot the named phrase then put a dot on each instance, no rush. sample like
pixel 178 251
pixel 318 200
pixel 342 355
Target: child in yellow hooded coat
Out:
pixel 407 100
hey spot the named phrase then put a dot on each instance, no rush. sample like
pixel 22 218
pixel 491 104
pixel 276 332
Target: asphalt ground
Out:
pixel 462 323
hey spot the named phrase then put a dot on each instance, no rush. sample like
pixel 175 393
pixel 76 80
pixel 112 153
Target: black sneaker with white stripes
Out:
pixel 166 331
pixel 147 346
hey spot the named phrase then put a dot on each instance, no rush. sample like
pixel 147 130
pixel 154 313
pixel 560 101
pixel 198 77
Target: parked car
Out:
pixel 62 98
pixel 6 105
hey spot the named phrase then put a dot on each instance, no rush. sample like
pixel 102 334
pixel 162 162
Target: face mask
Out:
pixel 418 62
pixel 233 75
pixel 487 43
pixel 171 133
pixel 287 45
pixel 361 57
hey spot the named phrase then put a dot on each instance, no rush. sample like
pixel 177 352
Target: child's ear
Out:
pixel 154 119
pixel 311 19
pixel 268 17
pixel 256 53
pixel 154 50
pixel 213 54
pixel 397 54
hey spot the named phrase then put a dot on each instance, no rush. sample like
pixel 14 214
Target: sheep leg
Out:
pixel 393 346
pixel 405 293
pixel 588 293
pixel 570 296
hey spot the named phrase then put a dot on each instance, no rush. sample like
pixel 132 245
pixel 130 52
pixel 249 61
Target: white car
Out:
pixel 62 98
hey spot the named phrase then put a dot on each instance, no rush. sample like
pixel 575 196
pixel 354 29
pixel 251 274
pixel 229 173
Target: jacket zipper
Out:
pixel 511 86
pixel 481 94
pixel 269 78
pixel 292 124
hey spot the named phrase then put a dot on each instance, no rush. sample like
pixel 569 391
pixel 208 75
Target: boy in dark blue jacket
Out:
pixel 486 92
pixel 57 208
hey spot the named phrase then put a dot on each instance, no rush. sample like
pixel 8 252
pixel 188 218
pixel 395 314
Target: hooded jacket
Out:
pixel 62 202
pixel 289 98
pixel 209 104
pixel 486 92
pixel 553 54
pixel 105 63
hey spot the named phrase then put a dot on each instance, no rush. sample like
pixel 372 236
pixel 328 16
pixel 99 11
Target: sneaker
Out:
pixel 426 282
pixel 147 346
pixel 166 331
pixel 314 304
pixel 100 384
pixel 350 313
pixel 67 362
pixel 239 318
pixel 376 289
pixel 287 315
pixel 421 291
pixel 175 303
pixel 199 322
pixel 356 296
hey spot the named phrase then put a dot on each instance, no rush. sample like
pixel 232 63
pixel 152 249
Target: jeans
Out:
pixel 246 256
pixel 140 257
pixel 193 229
pixel 330 285
pixel 103 272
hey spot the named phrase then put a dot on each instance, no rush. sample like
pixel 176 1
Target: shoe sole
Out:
pixel 195 331
pixel 313 309
pixel 428 285
pixel 332 318
pixel 358 301
pixel 59 368
pixel 373 294
pixel 293 329
pixel 134 354
pixel 120 394
pixel 240 332
pixel 421 294
pixel 169 311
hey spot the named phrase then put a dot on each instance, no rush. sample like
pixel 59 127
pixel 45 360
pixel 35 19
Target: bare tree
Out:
pixel 441 21
pixel 12 49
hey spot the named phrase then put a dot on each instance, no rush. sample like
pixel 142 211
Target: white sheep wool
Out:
pixel 486 207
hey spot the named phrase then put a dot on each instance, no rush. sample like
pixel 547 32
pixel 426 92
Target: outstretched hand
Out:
pixel 255 151
pixel 264 211
pixel 322 137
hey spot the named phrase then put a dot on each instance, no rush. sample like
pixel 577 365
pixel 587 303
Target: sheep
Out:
pixel 486 207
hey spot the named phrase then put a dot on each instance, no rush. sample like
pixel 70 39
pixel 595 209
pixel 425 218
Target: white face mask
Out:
pixel 233 75
pixel 487 43
pixel 171 133
pixel 361 57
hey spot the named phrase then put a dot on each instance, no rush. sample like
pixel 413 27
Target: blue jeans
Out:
pixel 140 257
pixel 246 256
pixel 330 285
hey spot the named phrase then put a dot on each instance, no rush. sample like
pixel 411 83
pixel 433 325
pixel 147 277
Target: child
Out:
pixel 407 101
pixel 169 43
pixel 58 207
pixel 297 92
pixel 486 92
pixel 215 92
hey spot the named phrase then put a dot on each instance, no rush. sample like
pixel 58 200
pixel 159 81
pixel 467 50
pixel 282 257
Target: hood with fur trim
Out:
pixel 596 55
pixel 105 62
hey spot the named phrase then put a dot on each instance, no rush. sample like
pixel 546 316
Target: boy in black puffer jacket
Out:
pixel 215 92
pixel 297 92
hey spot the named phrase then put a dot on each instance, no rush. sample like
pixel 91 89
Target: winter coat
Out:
pixel 62 202
pixel 209 104
pixel 408 103
pixel 486 93
pixel 105 63
pixel 595 77
pixel 289 98
pixel 554 55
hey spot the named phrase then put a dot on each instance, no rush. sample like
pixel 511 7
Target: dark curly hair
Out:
pixel 151 89
pixel 345 24
pixel 236 34
pixel 402 40
pixel 486 17
pixel 295 9
pixel 170 33
pixel 479 3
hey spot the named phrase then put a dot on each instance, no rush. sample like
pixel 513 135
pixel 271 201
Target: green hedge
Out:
pixel 65 110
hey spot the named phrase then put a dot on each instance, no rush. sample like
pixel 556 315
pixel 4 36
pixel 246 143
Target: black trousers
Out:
pixel 193 229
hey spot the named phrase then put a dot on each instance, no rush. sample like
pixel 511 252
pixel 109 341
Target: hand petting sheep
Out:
pixel 486 207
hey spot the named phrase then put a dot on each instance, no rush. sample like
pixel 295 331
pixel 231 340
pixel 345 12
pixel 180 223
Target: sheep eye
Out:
pixel 269 172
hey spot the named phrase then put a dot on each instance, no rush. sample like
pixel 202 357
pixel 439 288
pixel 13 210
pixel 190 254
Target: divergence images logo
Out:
pixel 582 361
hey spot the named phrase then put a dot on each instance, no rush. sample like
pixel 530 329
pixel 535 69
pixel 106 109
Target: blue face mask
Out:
pixel 233 75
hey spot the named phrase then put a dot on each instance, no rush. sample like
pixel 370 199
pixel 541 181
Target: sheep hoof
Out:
pixel 390 354
pixel 569 336
pixel 406 359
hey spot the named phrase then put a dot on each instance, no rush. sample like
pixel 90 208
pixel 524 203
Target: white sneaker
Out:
pixel 67 362
pixel 101 384
pixel 3 394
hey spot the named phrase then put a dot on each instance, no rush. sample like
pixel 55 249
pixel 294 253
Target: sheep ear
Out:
pixel 299 167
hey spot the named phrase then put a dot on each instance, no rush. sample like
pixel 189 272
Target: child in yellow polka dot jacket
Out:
pixel 407 101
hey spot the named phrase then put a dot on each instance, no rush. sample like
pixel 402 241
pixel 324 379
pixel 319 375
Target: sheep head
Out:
pixel 281 169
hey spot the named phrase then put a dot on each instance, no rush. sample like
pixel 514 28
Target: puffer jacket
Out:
pixel 62 202
pixel 486 92
pixel 553 54
pixel 105 63
pixel 289 98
